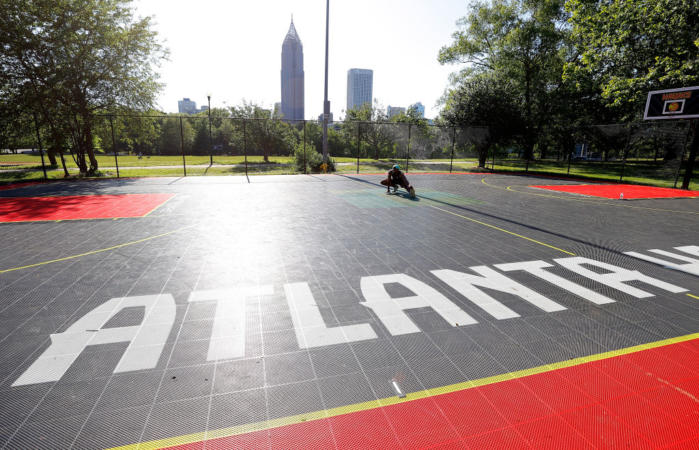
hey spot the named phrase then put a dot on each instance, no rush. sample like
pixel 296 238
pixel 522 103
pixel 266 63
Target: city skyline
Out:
pixel 237 57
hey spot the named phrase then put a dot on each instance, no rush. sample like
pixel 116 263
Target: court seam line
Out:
pixel 388 401
pixel 93 252
pixel 504 230
pixel 586 200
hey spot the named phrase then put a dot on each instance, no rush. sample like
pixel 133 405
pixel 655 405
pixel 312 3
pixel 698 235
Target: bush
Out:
pixel 311 161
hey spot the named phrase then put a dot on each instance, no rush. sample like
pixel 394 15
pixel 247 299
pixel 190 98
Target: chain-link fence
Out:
pixel 186 145
pixel 649 153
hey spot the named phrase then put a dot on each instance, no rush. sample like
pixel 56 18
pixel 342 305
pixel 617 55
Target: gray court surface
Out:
pixel 243 300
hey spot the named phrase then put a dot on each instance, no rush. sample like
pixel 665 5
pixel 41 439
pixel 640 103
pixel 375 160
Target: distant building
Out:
pixel 360 83
pixel 419 107
pixel 292 104
pixel 186 106
pixel 393 111
pixel 320 118
pixel 277 110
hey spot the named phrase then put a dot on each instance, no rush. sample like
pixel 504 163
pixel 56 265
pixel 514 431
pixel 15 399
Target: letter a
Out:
pixel 391 310
pixel 146 341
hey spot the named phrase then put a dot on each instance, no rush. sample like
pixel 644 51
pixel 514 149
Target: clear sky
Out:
pixel 232 49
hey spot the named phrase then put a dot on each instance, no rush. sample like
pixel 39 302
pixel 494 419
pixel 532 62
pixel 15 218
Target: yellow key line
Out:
pixel 43 263
pixel 503 230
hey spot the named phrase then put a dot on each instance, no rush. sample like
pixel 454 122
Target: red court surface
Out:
pixel 72 207
pixel 630 191
pixel 643 399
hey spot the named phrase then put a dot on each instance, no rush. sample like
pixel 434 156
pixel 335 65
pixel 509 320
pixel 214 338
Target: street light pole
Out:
pixel 326 103
pixel 211 142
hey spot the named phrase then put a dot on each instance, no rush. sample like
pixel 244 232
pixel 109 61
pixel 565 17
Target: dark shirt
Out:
pixel 397 177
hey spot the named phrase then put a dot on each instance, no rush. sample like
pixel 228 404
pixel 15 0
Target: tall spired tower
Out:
pixel 292 75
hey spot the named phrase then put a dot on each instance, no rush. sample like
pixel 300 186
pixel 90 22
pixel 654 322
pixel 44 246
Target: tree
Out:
pixel 264 134
pixel 70 59
pixel 379 136
pixel 522 41
pixel 485 101
pixel 630 47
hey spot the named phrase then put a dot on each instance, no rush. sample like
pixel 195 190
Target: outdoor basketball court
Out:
pixel 319 312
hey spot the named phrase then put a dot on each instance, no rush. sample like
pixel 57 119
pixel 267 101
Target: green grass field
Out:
pixel 641 172
pixel 638 172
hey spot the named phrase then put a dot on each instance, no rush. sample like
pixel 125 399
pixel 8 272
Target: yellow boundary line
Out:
pixel 43 263
pixel 158 206
pixel 588 200
pixel 693 296
pixel 504 230
pixel 373 404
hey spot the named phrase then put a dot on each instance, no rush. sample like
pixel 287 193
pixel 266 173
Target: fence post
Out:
pixel 407 156
pixel 684 150
pixel 41 152
pixel 623 157
pixel 570 157
pixel 453 143
pixel 245 147
pixel 359 143
pixel 184 166
pixel 116 159
pixel 305 170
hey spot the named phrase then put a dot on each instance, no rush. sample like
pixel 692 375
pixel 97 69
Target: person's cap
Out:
pixel 396 166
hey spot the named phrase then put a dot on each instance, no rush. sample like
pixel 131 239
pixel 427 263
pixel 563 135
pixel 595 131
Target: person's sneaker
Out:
pixel 412 192
pixel 395 189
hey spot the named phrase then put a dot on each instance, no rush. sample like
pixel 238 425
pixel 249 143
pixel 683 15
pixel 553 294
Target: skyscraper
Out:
pixel 393 111
pixel 419 107
pixel 186 106
pixel 360 83
pixel 292 76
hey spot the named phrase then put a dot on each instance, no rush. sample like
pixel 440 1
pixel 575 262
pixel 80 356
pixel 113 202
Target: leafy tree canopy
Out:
pixel 629 47
pixel 68 59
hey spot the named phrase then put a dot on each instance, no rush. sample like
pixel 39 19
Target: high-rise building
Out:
pixel 393 111
pixel 186 106
pixel 360 83
pixel 419 107
pixel 292 76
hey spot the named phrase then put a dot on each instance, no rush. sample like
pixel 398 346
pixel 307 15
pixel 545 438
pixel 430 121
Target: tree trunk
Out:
pixel 89 149
pixel 51 153
pixel 66 174
pixel 482 155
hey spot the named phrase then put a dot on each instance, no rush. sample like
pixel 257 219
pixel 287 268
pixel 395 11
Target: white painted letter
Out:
pixel 391 310
pixel 228 333
pixel 616 276
pixel 536 268
pixel 693 264
pixel 466 284
pixel 146 341
pixel 309 324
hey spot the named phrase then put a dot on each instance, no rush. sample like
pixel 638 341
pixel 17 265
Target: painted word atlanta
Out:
pixel 147 340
